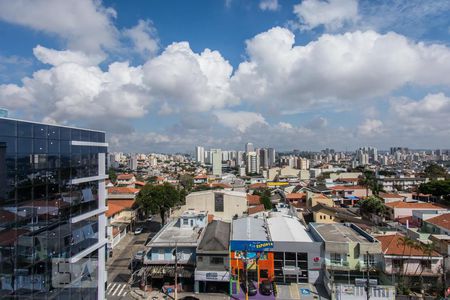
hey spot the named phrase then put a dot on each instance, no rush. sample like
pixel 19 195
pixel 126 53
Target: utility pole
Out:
pixel 176 273
pixel 246 274
pixel 368 276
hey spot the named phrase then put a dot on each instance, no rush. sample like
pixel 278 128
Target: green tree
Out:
pixel 186 181
pixel 372 205
pixel 112 175
pixel 265 195
pixel 152 179
pixel 438 188
pixel 369 180
pixel 434 171
pixel 410 244
pixel 156 199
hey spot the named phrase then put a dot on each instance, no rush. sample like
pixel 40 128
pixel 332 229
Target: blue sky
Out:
pixel 169 75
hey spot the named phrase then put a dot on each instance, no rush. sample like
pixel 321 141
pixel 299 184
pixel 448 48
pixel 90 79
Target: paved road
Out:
pixel 117 266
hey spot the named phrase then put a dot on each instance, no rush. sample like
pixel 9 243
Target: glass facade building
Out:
pixel 52 205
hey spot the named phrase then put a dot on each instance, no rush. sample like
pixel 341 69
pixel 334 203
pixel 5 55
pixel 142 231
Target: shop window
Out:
pixel 216 260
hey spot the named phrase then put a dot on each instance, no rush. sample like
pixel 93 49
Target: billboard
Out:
pixel 252 246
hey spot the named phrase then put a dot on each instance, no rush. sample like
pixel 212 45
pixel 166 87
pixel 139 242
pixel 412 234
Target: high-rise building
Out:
pixel 249 147
pixel 216 161
pixel 132 163
pixel 52 208
pixel 264 158
pixel 272 157
pixel 252 161
pixel 200 154
pixel 240 158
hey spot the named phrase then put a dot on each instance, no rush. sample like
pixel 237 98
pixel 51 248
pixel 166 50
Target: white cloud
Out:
pixel 190 81
pixel 345 67
pixel 371 127
pixel 144 38
pixel 55 57
pixel 86 25
pixel 269 5
pixel 333 14
pixel 428 116
pixel 240 120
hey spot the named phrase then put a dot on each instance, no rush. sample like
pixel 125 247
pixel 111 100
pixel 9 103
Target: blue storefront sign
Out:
pixel 251 246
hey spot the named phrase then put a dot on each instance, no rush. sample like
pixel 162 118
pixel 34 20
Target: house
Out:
pixel 297 199
pixel 391 197
pixel 349 195
pixel 121 215
pixel 223 204
pixel 314 198
pixel 437 225
pixel 401 259
pixel 297 256
pixel 212 270
pixel 323 213
pixel 126 179
pixel 122 193
pixel 200 179
pixel 398 209
pixel 349 254
pixel 390 184
pixel 179 237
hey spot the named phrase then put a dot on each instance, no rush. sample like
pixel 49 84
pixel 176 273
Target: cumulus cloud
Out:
pixel 144 38
pixel 56 57
pixel 429 115
pixel 332 14
pixel 345 67
pixel 240 120
pixel 371 127
pixel 188 80
pixel 85 24
pixel 269 5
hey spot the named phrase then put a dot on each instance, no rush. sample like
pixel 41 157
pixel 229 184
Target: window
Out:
pixel 199 258
pixel 397 264
pixel 218 202
pixel 337 258
pixel 185 221
pixel 216 260
pixel 425 265
pixel 371 260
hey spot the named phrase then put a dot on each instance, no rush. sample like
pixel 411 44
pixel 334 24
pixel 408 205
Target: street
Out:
pixel 117 266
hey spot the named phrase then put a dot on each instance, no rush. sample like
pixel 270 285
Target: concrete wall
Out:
pixel 233 204
pixel 412 265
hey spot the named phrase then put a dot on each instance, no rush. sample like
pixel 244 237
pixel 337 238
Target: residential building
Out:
pixel 249 147
pixel 402 259
pixel 212 271
pixel 178 237
pixel 252 162
pixel 52 204
pixel 216 161
pixel 200 154
pixel 297 256
pixel 133 163
pixel 400 209
pixel 349 254
pixel 391 184
pixel 437 225
pixel 323 213
pixel 126 179
pixel 264 158
pixel 272 157
pixel 223 204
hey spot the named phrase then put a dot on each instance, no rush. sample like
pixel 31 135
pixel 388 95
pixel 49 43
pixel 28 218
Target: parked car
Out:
pixel 138 230
pixel 150 218
pixel 139 255
pixel 266 288
pixel 190 298
pixel 252 290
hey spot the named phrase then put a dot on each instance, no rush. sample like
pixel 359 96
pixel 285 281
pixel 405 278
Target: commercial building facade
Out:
pixel 52 211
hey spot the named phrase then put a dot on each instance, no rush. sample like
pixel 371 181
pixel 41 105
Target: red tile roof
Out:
pixel 140 183
pixel 122 190
pixel 255 209
pixel 125 176
pixel 257 185
pixel 253 199
pixel 392 245
pixel 390 195
pixel 441 221
pixel 347 187
pixel 201 176
pixel 422 205
pixel 116 206
pixel 294 196
pixel 222 185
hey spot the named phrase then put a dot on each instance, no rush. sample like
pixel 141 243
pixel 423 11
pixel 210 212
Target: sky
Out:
pixel 165 76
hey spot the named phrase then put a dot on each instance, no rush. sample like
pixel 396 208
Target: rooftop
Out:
pixel 340 233
pixel 172 234
pixel 394 245
pixel 419 205
pixel 249 229
pixel 442 221
pixel 287 229
pixel 216 237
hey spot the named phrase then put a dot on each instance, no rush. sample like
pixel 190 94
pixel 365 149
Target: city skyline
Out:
pixel 279 74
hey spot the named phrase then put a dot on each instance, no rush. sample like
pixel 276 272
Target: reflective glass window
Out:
pixel 8 127
pixel 24 129
pixel 39 131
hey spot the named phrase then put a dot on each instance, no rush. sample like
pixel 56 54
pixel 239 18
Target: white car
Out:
pixel 150 218
pixel 138 230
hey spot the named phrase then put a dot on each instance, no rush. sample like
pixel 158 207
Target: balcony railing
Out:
pixel 337 264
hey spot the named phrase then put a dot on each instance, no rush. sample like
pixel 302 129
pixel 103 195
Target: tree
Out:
pixel 186 181
pixel 372 205
pixel 112 175
pixel 406 242
pixel 158 199
pixel 264 194
pixel 369 180
pixel 438 188
pixel 435 171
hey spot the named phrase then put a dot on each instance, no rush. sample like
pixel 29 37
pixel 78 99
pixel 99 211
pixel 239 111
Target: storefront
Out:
pixel 212 281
